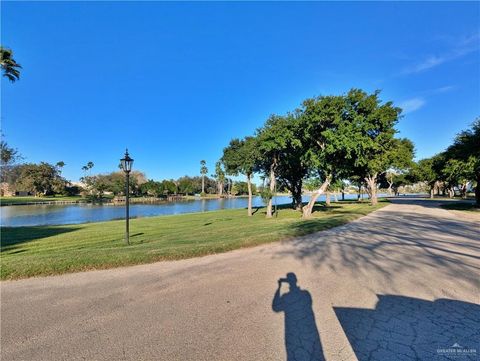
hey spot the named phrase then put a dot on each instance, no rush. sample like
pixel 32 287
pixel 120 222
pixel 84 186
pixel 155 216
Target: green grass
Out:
pixel 48 250
pixel 17 200
pixel 461 206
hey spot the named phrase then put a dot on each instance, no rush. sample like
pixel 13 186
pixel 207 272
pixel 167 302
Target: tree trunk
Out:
pixel 372 188
pixel 343 195
pixel 272 189
pixel 464 189
pixel 203 184
pixel 327 198
pixel 451 192
pixel 297 196
pixel 359 192
pixel 249 185
pixel 390 188
pixel 432 191
pixel 308 208
pixel 220 186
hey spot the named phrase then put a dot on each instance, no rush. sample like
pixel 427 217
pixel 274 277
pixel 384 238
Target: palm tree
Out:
pixel 9 65
pixel 203 171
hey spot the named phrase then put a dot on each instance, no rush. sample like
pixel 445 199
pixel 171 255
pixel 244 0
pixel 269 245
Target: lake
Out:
pixel 47 214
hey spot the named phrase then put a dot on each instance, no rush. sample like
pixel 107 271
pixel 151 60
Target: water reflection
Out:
pixel 37 215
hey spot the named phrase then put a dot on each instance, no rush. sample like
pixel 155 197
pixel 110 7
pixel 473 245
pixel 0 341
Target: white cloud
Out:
pixel 429 63
pixel 462 48
pixel 410 105
pixel 443 89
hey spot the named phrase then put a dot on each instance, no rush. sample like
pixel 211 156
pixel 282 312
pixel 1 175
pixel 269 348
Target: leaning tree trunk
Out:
pixel 308 208
pixel 272 189
pixel 327 198
pixel 390 188
pixel 372 188
pixel 249 186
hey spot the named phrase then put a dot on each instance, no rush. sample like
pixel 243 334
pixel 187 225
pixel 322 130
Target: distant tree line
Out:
pixel 30 178
pixel 45 179
pixel 455 170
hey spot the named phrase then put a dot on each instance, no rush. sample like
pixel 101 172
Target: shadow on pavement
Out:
pixel 391 242
pixel 428 202
pixel 302 341
pixel 405 328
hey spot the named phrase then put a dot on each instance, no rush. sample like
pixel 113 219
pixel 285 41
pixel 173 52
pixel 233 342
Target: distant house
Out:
pixel 6 190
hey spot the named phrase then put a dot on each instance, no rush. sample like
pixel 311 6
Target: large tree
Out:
pixel 370 125
pixel 457 173
pixel 466 148
pixel 272 140
pixel 292 163
pixel 426 170
pixel 241 157
pixel 327 144
pixel 400 161
pixel 41 179
pixel 10 68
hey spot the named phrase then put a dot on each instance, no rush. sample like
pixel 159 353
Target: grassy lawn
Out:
pixel 16 200
pixel 48 250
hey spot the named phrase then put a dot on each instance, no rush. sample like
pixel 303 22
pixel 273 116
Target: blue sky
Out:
pixel 175 81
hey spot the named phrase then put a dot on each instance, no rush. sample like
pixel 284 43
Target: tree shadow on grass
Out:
pixel 11 237
pixel 318 207
pixel 406 328
pixel 310 226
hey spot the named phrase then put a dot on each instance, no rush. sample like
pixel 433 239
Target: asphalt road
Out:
pixel 399 284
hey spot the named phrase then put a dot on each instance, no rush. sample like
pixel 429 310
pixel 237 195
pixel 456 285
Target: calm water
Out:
pixel 43 214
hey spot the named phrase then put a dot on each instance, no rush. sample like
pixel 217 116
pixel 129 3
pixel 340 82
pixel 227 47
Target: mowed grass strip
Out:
pixel 20 200
pixel 49 250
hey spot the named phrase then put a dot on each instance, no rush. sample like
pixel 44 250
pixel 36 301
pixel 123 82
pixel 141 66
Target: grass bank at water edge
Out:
pixel 49 250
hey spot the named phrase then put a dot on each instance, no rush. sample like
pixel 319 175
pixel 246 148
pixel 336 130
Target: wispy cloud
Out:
pixel 420 99
pixel 410 105
pixel 462 48
pixel 443 89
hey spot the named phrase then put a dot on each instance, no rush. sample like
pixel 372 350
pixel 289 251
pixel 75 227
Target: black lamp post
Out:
pixel 126 163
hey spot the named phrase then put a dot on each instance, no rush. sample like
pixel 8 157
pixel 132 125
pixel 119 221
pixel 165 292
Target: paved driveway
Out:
pixel 399 284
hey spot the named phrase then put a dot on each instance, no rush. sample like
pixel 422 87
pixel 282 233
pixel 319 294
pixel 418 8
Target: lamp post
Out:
pixel 126 163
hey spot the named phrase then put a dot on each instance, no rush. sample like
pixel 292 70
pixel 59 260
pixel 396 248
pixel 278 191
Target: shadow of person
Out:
pixel 302 341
